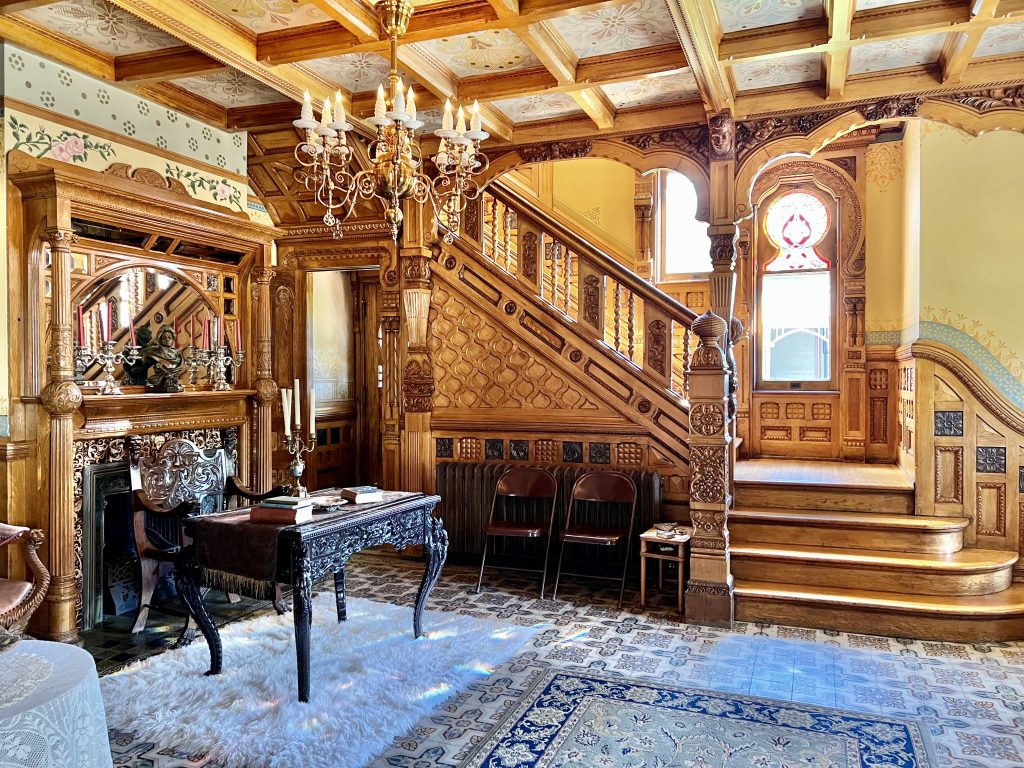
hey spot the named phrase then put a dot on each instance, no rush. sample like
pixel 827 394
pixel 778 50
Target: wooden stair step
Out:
pixel 826 497
pixel 852 530
pixel 972 618
pixel 967 572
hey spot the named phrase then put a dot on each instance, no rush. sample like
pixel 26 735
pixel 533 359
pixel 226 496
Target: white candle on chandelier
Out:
pixel 325 116
pixel 410 104
pixel 381 106
pixel 286 410
pixel 339 108
pixel 399 98
pixel 460 124
pixel 307 107
pixel 447 121
pixel 474 121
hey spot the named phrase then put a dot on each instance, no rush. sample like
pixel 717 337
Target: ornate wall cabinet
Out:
pixel 69 230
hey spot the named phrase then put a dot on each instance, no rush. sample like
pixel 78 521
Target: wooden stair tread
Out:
pixel 966 560
pixel 1008 602
pixel 826 518
pixel 823 475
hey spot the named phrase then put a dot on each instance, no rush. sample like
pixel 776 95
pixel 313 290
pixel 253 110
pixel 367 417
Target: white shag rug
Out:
pixel 371 683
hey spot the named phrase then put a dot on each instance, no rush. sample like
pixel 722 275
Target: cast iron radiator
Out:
pixel 466 490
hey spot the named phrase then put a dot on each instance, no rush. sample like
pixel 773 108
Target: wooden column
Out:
pixel 709 591
pixel 643 206
pixel 417 368
pixel 722 167
pixel 264 384
pixel 61 397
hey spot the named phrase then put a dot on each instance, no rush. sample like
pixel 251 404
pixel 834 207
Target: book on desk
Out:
pixel 281 514
pixel 362 494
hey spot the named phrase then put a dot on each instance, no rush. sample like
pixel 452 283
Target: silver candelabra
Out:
pixel 296 446
pixel 219 362
pixel 108 358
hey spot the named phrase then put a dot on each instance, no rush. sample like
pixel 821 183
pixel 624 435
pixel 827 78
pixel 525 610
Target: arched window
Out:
pixel 684 248
pixel 796 304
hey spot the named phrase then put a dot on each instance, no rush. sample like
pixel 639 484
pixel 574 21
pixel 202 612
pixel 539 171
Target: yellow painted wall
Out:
pixel 883 312
pixel 911 257
pixel 972 256
pixel 598 194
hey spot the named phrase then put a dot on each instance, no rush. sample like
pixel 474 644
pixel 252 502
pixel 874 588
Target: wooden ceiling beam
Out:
pixel 505 9
pixel 354 16
pixel 43 41
pixel 837 62
pixel 262 116
pixel 700 33
pixel 13 6
pixel 166 64
pixel 649 119
pixel 550 47
pixel 960 46
pixel 315 41
pixel 177 98
pixel 597 106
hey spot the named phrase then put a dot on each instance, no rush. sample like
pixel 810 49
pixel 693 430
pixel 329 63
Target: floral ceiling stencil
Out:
pixel 230 89
pixel 618 28
pixel 1006 38
pixel 268 15
pixel 492 50
pixel 750 14
pixel 101 26
pixel 355 72
pixel 896 54
pixel 680 86
pixel 789 70
pixel 541 107
pixel 867 5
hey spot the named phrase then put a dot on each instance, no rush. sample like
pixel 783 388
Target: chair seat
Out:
pixel 163 555
pixel 13 593
pixel 583 534
pixel 509 528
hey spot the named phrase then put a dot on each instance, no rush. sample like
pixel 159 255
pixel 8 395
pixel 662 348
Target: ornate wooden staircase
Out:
pixel 846 552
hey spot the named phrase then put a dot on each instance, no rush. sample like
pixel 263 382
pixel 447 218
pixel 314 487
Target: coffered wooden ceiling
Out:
pixel 542 69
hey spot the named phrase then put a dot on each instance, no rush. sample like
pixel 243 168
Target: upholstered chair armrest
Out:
pixel 9 533
pixel 184 509
pixel 235 488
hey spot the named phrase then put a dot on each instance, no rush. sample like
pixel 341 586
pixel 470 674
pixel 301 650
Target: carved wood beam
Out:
pixel 505 9
pixel 550 47
pixel 597 106
pixel 177 98
pixel 700 32
pixel 354 16
pixel 204 30
pixel 837 62
pixel 872 87
pixel 646 119
pixel 166 64
pixel 262 116
pixel 428 23
pixel 960 46
pixel 41 40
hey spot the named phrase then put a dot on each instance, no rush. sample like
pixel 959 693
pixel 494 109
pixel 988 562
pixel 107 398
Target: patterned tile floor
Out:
pixel 970 696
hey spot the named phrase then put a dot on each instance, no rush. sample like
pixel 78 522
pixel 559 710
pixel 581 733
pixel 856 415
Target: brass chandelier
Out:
pixel 396 170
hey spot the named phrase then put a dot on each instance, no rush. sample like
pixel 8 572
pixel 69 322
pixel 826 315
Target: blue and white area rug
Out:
pixel 587 721
pixel 371 682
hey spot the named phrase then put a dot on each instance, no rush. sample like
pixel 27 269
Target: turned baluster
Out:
pixel 511 256
pixel 630 324
pixel 567 291
pixel 494 229
pixel 686 363
pixel 556 267
pixel 618 316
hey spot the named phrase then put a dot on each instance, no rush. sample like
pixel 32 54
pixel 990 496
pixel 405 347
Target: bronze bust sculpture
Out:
pixel 166 360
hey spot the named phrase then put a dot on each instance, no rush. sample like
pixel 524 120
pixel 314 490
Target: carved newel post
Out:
pixel 61 397
pixel 264 384
pixel 709 591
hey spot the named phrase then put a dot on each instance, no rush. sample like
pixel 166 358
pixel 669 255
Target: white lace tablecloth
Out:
pixel 51 713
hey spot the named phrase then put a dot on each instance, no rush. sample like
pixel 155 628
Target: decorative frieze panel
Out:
pixel 990 459
pixel 519 450
pixel 494 450
pixel 949 423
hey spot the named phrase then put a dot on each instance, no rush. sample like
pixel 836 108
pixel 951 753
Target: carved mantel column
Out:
pixel 264 384
pixel 61 397
pixel 709 591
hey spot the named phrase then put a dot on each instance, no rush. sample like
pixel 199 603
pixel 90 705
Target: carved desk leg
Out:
pixel 186 576
pixel 339 593
pixel 435 545
pixel 302 610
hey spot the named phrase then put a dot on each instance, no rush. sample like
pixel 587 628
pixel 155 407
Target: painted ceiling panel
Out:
pixel 997 41
pixel 542 107
pixel 618 28
pixel 736 15
pixel 896 54
pixel 492 50
pixel 789 70
pixel 867 5
pixel 356 72
pixel 101 26
pixel 680 86
pixel 267 15
pixel 230 89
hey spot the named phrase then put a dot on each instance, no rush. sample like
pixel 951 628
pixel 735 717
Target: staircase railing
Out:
pixel 642 324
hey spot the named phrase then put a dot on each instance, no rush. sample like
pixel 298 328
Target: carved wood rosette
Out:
pixel 709 591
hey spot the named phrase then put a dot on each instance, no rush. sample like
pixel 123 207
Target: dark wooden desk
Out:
pixel 306 553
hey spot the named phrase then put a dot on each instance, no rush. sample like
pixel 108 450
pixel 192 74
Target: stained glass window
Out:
pixel 795 223
pixel 796 291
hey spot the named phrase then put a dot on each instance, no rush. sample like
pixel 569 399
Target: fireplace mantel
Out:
pixel 146 413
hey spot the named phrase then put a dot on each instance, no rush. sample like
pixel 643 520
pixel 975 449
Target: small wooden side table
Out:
pixel 654 545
